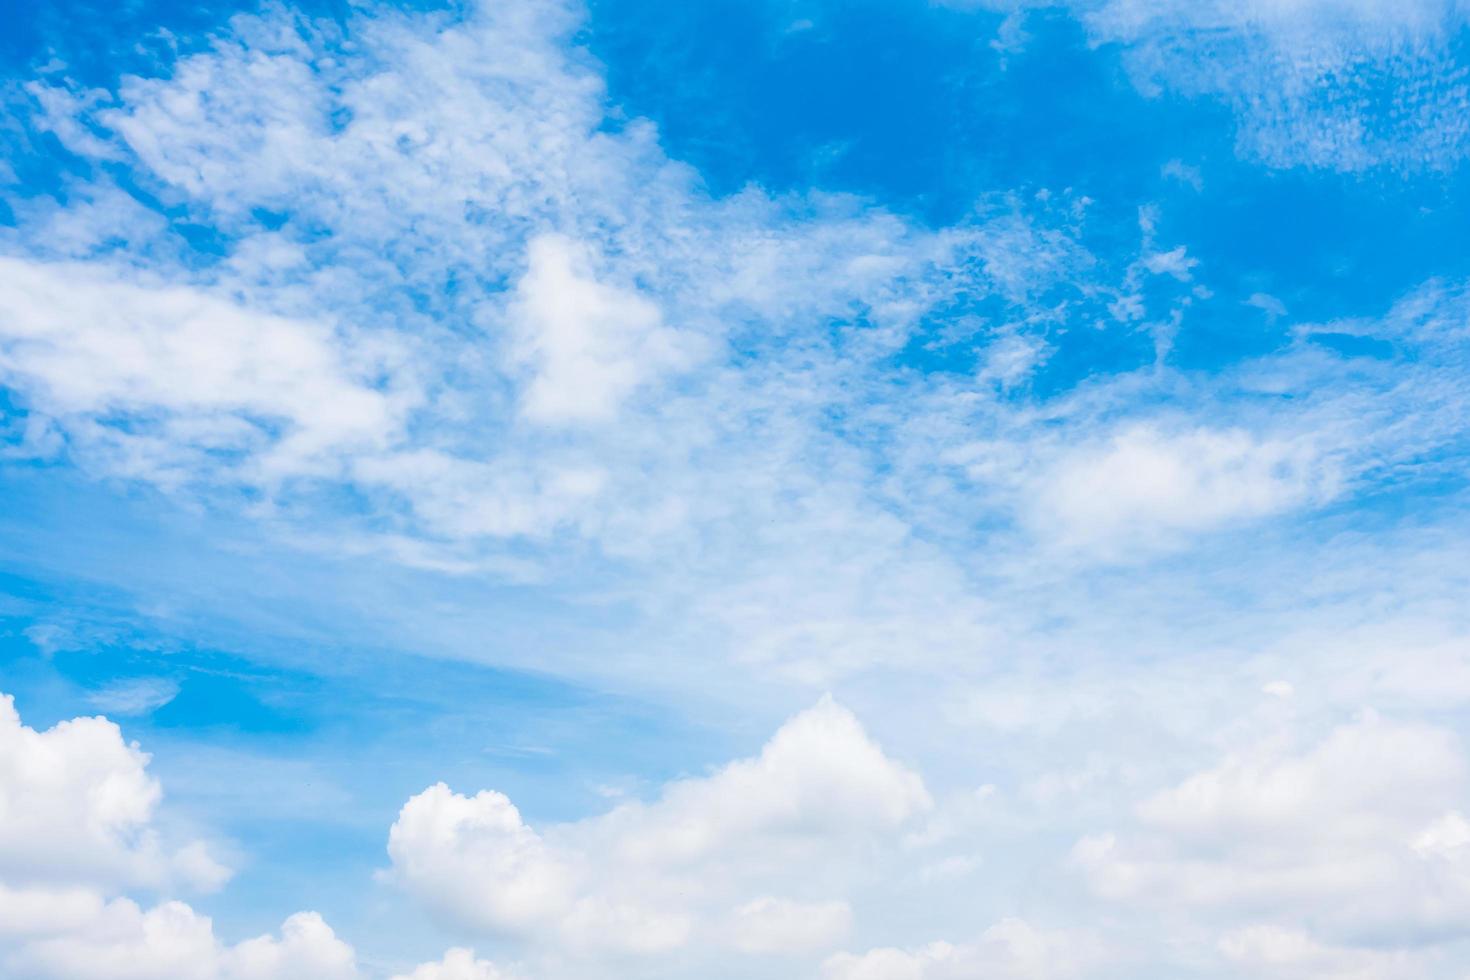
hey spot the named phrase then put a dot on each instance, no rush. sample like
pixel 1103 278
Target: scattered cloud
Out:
pixel 459 312
pixel 76 809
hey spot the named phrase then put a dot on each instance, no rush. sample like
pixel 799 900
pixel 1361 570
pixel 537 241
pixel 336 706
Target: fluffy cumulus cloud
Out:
pixel 48 934
pixel 77 806
pixel 517 880
pixel 710 862
pixel 77 810
pixel 76 935
pixel 1358 841
pixel 458 964
pixel 124 942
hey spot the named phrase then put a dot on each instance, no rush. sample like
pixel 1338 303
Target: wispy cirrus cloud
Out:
pixel 443 270
pixel 1313 83
pixel 1318 84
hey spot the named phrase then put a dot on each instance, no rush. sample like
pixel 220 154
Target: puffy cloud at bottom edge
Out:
pixel 76 935
pixel 1012 949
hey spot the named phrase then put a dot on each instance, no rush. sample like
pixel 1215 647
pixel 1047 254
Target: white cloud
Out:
pixel 1318 83
pixel 162 380
pixel 121 941
pixel 74 934
pixel 1185 173
pixel 124 942
pixel 1175 262
pixel 1271 951
pixel 451 178
pixel 1144 483
pixel 889 963
pixel 819 775
pixel 1267 304
pixel 77 806
pixel 700 861
pixel 706 389
pixel 307 949
pixel 1330 84
pixel 474 858
pixel 457 964
pixel 775 925
pixel 76 811
pixel 1009 950
pixel 564 274
pixel 1355 840
pixel 590 345
pixel 38 911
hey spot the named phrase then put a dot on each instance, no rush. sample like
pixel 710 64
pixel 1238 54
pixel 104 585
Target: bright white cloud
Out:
pixel 474 857
pixel 121 941
pixel 48 934
pixel 486 312
pixel 163 380
pixel 77 805
pixel 306 948
pixel 76 827
pixel 653 877
pixel 127 943
pixel 42 911
pixel 564 274
pixel 1144 483
pixel 458 964
pixel 589 345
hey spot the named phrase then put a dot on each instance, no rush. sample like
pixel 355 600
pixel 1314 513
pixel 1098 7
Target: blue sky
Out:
pixel 891 490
